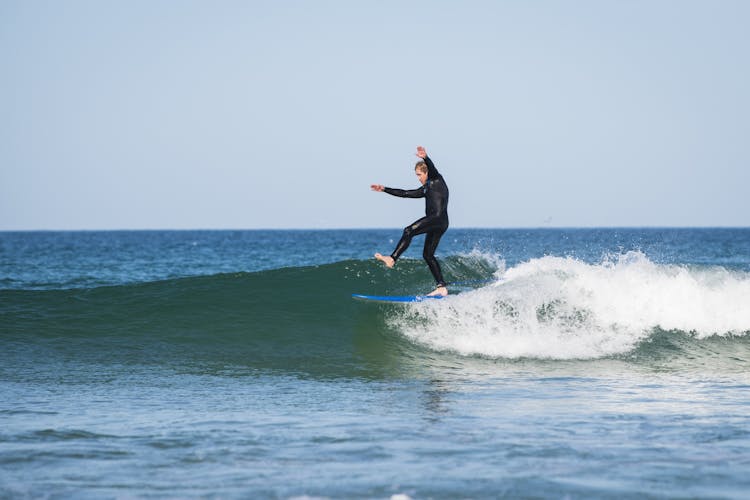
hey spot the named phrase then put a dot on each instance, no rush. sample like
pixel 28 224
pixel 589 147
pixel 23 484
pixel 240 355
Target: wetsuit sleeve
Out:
pixel 432 171
pixel 405 193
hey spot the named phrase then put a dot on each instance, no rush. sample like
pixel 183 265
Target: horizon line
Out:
pixel 377 228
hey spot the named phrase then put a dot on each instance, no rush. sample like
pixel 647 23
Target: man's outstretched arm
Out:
pixel 401 193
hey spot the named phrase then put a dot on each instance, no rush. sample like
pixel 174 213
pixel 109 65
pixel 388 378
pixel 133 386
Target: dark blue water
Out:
pixel 607 363
pixel 83 259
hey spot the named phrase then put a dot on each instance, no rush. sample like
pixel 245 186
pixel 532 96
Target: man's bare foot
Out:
pixel 385 259
pixel 439 291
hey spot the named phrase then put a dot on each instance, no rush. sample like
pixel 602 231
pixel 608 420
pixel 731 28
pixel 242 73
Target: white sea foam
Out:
pixel 563 308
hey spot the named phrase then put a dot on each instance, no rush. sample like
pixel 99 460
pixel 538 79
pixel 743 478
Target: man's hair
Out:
pixel 421 166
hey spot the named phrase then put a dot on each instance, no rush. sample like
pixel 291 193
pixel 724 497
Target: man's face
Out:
pixel 422 176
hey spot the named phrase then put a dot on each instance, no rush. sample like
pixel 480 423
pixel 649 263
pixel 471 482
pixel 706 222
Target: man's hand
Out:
pixel 421 152
pixel 377 187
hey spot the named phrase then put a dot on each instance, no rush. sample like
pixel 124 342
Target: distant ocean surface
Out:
pixel 567 363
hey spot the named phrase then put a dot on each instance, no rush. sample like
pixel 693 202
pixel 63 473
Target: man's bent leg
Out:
pixel 418 227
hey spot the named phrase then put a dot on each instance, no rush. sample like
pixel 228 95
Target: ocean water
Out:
pixel 567 363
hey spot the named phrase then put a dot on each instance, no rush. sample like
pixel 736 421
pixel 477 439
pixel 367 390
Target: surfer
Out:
pixel 432 225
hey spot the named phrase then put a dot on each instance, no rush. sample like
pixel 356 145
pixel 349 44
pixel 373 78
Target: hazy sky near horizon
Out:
pixel 280 114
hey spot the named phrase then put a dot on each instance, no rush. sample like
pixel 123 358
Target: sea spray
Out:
pixel 563 308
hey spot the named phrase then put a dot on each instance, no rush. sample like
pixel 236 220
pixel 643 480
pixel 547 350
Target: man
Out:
pixel 432 225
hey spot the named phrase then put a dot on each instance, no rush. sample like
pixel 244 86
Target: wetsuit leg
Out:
pixel 420 226
pixel 430 245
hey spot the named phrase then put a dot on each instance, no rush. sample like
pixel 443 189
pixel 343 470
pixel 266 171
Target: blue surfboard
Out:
pixel 397 299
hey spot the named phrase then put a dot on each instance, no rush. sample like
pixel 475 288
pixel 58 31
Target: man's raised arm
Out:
pixel 432 171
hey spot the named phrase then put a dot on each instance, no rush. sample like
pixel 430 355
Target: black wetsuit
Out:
pixel 433 224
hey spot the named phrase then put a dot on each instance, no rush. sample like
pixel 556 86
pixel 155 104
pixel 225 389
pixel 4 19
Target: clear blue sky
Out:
pixel 280 114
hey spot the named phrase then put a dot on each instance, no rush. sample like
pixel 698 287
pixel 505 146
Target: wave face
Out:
pixel 294 319
pixel 302 319
pixel 563 308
